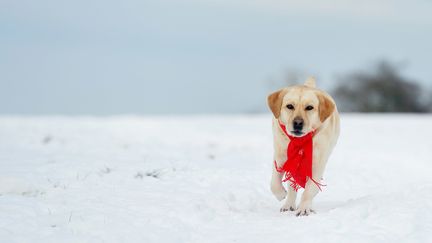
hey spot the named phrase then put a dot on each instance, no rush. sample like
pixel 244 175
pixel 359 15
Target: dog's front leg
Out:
pixel 276 185
pixel 290 202
pixel 311 189
pixel 280 145
pixel 305 206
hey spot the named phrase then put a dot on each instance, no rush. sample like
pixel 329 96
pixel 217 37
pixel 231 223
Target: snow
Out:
pixel 206 179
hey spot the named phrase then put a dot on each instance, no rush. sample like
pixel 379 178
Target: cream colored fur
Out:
pixel 324 117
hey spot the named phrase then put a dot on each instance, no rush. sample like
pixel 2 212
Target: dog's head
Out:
pixel 301 108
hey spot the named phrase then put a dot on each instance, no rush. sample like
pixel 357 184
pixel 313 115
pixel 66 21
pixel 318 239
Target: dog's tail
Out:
pixel 310 82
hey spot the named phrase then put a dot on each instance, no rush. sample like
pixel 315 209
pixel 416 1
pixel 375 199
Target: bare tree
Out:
pixel 382 90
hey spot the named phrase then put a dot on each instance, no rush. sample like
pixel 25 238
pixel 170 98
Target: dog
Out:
pixel 299 110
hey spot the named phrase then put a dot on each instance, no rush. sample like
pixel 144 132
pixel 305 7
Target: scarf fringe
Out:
pixel 292 181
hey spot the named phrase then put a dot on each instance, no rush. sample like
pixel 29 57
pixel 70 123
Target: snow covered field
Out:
pixel 206 179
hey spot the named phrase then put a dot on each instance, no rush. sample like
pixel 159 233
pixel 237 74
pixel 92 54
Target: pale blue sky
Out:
pixel 166 56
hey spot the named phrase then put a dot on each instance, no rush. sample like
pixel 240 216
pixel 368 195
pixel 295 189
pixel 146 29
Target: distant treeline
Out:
pixel 382 89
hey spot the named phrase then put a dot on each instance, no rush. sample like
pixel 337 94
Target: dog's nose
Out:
pixel 298 123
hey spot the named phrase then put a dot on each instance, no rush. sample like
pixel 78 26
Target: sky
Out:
pixel 195 57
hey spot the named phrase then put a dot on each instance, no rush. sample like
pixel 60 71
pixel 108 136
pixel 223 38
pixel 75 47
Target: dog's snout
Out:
pixel 298 123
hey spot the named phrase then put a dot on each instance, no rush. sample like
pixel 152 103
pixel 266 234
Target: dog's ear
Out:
pixel 326 106
pixel 274 101
pixel 310 82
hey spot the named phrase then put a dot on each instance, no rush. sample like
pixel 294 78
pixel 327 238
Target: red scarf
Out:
pixel 298 167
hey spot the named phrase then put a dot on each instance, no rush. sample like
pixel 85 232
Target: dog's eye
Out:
pixel 291 107
pixel 309 107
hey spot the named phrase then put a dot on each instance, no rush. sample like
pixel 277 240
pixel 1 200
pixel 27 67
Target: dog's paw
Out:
pixel 286 208
pixel 304 209
pixel 304 212
pixel 289 205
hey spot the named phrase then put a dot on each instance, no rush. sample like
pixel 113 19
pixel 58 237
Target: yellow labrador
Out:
pixel 302 109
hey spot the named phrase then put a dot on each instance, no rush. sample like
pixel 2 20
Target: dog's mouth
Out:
pixel 297 133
